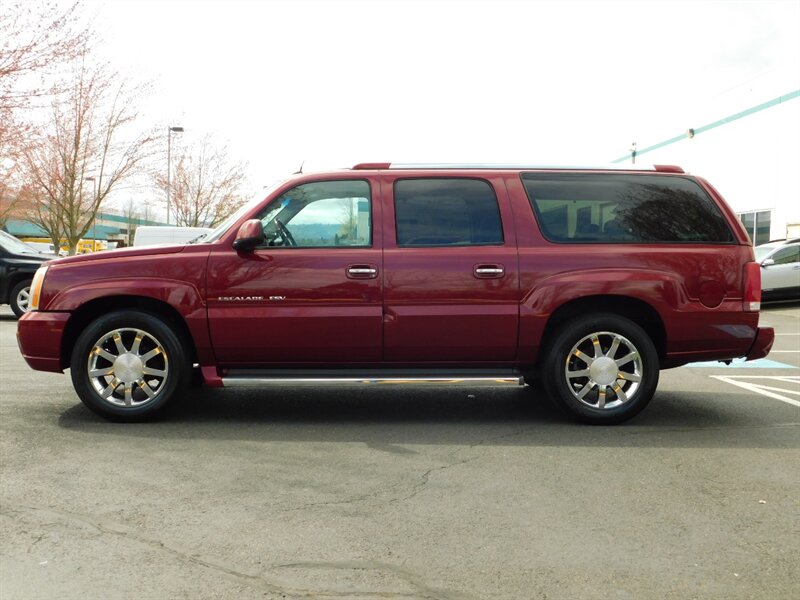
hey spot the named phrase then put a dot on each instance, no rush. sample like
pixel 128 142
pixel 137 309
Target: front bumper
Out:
pixel 39 336
pixel 765 336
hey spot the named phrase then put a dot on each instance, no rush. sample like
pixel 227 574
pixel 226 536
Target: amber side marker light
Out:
pixel 36 288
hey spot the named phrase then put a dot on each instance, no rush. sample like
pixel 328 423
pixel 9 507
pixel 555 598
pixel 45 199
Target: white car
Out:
pixel 780 269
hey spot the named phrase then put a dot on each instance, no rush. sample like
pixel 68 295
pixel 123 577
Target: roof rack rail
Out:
pixel 423 166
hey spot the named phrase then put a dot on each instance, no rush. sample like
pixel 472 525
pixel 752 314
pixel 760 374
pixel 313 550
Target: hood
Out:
pixel 121 253
pixel 33 257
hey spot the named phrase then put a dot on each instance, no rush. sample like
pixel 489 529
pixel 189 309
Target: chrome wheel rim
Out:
pixel 604 370
pixel 128 367
pixel 24 299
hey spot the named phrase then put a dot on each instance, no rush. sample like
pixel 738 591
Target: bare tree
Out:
pixel 74 162
pixel 37 38
pixel 205 186
pixel 133 215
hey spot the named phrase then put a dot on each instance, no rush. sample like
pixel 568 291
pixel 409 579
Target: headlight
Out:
pixel 36 288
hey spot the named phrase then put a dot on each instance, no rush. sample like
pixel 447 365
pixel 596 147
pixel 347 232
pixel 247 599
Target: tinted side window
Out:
pixel 446 212
pixel 612 208
pixel 320 214
pixel 787 256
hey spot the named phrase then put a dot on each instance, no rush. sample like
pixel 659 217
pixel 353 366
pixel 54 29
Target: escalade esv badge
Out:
pixel 242 298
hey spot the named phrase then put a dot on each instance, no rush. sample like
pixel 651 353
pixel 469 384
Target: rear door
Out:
pixel 451 281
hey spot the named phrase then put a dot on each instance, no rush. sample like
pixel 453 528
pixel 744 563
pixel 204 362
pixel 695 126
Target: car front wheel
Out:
pixel 21 298
pixel 601 369
pixel 127 365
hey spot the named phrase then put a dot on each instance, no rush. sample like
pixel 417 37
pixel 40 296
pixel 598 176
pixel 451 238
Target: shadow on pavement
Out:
pixel 518 417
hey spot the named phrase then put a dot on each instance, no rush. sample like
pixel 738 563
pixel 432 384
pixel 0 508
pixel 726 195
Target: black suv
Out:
pixel 18 263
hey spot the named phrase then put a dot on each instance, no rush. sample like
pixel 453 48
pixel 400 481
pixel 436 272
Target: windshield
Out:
pixel 15 246
pixel 246 207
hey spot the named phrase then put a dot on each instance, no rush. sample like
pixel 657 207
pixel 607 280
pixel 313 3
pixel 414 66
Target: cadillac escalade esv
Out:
pixel 591 279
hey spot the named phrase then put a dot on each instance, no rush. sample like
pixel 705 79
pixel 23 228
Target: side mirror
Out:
pixel 250 235
pixel 767 262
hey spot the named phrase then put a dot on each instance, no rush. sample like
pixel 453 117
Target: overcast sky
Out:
pixel 335 83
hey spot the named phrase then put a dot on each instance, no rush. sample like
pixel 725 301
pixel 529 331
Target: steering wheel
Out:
pixel 285 233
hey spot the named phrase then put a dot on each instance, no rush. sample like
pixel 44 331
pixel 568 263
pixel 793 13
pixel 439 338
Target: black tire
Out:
pixel 135 388
pixel 20 297
pixel 607 391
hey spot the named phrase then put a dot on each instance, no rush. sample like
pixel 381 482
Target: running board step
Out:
pixel 472 378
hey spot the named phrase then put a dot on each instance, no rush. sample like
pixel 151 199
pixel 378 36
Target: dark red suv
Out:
pixel 593 279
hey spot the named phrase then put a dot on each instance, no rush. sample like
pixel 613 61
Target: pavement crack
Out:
pixel 422 590
pixel 420 485
pixel 104 527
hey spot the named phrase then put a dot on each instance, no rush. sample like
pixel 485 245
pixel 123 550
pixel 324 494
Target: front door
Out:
pixel 312 293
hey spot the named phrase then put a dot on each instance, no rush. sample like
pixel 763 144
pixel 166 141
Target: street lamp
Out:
pixel 170 129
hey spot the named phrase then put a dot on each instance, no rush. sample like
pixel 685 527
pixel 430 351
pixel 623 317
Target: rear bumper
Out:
pixel 765 336
pixel 39 337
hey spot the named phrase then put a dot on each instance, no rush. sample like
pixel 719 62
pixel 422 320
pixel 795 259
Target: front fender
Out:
pixel 184 298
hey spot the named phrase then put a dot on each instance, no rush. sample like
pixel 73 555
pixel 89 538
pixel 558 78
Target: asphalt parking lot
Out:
pixel 387 492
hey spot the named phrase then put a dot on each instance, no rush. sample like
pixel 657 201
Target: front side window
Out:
pixel 613 208
pixel 322 214
pixel 787 256
pixel 446 212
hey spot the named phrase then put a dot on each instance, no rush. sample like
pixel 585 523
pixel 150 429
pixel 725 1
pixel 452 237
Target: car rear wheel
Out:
pixel 127 365
pixel 21 298
pixel 601 369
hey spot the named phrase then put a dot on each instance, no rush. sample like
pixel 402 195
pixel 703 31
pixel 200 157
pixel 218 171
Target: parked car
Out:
pixel 46 248
pixel 18 262
pixel 780 269
pixel 593 280
pixel 164 235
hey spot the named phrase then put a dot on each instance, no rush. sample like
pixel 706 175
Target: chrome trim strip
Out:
pixel 472 381
pixel 521 166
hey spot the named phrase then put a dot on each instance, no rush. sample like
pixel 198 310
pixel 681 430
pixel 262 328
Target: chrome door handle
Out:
pixel 489 271
pixel 362 272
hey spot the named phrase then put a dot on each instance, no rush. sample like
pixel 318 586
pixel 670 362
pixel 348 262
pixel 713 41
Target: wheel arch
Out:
pixel 93 309
pixel 634 309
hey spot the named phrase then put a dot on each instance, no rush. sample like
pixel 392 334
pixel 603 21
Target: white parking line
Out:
pixel 765 390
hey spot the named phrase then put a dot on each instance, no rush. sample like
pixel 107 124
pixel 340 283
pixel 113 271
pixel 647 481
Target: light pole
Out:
pixel 94 220
pixel 170 129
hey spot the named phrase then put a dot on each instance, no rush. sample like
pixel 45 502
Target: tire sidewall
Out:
pixel 556 355
pixel 14 295
pixel 160 329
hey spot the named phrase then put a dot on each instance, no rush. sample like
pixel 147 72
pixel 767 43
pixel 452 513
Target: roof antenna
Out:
pixel 300 170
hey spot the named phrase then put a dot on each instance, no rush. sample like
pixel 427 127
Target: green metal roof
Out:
pixel 20 229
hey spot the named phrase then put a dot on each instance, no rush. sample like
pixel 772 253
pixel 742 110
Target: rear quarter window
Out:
pixel 619 208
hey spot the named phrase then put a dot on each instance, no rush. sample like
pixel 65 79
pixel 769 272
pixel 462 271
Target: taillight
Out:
pixel 751 298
